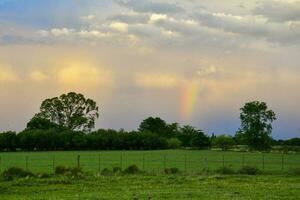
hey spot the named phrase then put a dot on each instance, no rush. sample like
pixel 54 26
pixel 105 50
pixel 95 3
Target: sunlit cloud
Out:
pixel 84 76
pixel 38 76
pixel 160 81
pixel 119 26
pixel 8 75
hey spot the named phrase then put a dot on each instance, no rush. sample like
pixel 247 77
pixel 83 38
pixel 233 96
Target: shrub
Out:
pixel 69 171
pixel 174 143
pixel 295 172
pixel 225 170
pixel 173 170
pixel 106 172
pixel 60 170
pixel 132 169
pixel 249 170
pixel 43 175
pixel 117 169
pixel 16 172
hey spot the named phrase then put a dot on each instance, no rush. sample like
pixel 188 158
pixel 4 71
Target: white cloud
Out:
pixel 61 31
pixel 119 26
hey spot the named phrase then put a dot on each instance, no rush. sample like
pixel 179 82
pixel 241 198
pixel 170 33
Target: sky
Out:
pixel 195 62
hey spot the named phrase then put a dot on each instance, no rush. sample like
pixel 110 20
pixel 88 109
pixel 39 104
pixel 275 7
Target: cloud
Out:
pixel 8 75
pixel 131 18
pixel 119 26
pixel 159 81
pixel 38 76
pixel 83 75
pixel 61 31
pixel 279 11
pixel 147 6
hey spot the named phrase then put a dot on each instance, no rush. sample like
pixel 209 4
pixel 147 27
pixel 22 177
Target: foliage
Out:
pixel 132 169
pixel 249 170
pixel 192 137
pixel 174 143
pixel 256 124
pixel 16 172
pixel 71 110
pixel 8 141
pixel 172 170
pixel 71 171
pixel 224 142
pixel 225 170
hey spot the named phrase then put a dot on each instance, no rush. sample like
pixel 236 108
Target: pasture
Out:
pixel 151 161
pixel 147 187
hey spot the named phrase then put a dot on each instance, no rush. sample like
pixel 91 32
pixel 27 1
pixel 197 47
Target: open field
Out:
pixel 185 160
pixel 153 187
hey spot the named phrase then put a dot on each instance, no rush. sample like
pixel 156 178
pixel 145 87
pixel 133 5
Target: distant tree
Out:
pixel 174 143
pixel 256 125
pixel 71 110
pixel 159 126
pixel 41 123
pixel 192 137
pixel 8 141
pixel 224 142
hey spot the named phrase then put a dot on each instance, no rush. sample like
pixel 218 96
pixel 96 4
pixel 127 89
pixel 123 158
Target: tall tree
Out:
pixel 256 124
pixel 71 110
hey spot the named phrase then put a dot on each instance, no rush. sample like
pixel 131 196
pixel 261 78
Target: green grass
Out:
pixel 152 187
pixel 185 160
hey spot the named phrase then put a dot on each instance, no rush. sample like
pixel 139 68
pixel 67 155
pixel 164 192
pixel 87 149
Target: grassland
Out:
pixel 185 160
pixel 153 187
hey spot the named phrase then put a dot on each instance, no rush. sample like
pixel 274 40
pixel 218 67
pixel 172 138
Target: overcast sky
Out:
pixel 195 62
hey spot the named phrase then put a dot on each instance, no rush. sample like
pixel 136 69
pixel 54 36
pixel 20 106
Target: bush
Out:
pixel 173 170
pixel 106 172
pixel 43 175
pixel 117 170
pixel 132 169
pixel 16 172
pixel 60 170
pixel 70 171
pixel 295 172
pixel 174 143
pixel 248 170
pixel 225 170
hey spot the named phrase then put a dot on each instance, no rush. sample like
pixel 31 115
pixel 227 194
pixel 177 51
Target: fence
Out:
pixel 151 162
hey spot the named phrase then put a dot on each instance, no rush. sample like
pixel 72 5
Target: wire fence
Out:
pixel 150 162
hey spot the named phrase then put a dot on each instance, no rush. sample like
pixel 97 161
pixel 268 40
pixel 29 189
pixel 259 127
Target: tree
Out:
pixel 256 125
pixel 159 126
pixel 41 123
pixel 8 141
pixel 224 142
pixel 71 110
pixel 191 137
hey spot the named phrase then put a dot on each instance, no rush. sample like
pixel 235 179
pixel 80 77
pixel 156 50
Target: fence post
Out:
pixel 121 160
pixel 53 163
pixel 185 158
pixel 282 162
pixel 0 163
pixel 243 160
pixel 263 161
pixel 143 161
pixel 99 162
pixel 78 161
pixel 26 163
pixel 164 161
pixel 205 163
pixel 223 161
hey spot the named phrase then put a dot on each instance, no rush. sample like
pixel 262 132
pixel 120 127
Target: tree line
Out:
pixel 65 123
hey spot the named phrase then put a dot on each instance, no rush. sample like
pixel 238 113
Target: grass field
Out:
pixel 140 187
pixel 185 160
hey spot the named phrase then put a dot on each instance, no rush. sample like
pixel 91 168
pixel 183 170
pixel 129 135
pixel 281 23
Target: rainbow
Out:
pixel 189 99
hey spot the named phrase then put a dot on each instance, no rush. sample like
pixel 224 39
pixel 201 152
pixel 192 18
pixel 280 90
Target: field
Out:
pixel 140 187
pixel 151 161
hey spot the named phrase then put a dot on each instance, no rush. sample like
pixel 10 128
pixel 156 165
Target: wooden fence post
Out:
pixel 282 162
pixel 243 160
pixel 143 161
pixel 165 161
pixel 78 161
pixel 26 162
pixel 53 163
pixel 263 161
pixel 223 161
pixel 185 160
pixel 121 161
pixel 99 162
